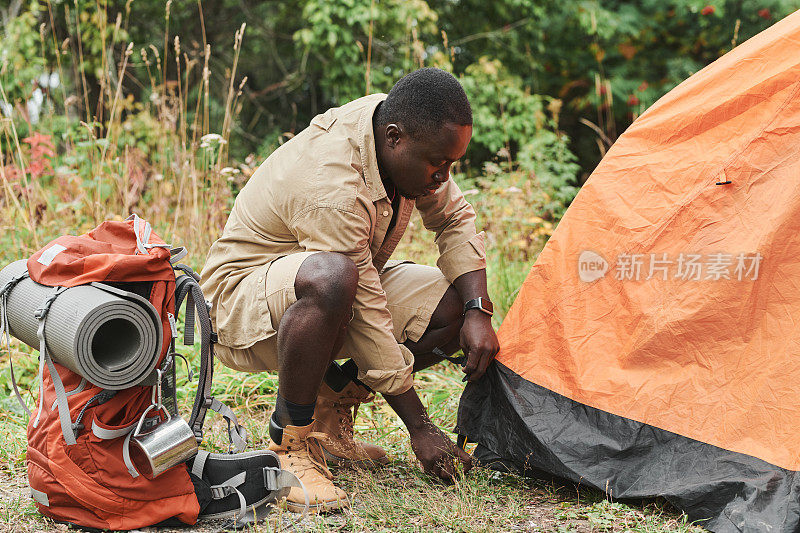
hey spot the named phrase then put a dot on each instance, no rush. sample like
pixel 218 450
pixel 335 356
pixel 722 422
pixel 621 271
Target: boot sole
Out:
pixel 316 508
pixel 361 463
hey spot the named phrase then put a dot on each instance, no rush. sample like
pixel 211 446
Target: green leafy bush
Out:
pixel 522 128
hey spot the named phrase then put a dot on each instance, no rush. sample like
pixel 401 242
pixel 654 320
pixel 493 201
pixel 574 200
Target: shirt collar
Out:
pixel 366 145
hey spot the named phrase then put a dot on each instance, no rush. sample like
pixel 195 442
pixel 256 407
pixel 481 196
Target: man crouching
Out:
pixel 301 276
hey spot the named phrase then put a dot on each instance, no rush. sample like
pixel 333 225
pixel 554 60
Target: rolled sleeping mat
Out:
pixel 108 336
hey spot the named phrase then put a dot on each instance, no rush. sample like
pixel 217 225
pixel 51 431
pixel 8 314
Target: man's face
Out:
pixel 418 166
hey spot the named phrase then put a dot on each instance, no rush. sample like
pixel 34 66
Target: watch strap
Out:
pixel 478 303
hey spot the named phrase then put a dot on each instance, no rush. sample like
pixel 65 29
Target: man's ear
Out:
pixel 394 132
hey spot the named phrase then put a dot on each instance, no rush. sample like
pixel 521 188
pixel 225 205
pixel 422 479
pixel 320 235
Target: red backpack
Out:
pixel 78 463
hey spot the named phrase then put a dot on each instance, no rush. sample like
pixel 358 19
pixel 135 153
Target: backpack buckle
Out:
pixel 271 477
pixel 218 492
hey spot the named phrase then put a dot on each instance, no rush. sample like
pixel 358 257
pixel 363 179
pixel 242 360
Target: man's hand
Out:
pixel 478 339
pixel 437 454
pixel 479 343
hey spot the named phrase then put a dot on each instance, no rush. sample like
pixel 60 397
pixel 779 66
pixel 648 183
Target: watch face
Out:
pixel 487 305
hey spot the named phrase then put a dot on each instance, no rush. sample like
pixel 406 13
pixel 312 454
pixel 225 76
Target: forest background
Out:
pixel 109 107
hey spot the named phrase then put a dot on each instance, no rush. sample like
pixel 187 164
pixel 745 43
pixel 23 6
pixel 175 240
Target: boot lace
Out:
pixel 346 419
pixel 307 454
pixel 346 407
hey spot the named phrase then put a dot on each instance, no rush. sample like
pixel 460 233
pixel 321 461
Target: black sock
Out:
pixel 292 414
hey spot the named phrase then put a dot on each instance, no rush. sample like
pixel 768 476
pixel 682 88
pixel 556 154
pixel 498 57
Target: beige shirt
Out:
pixel 321 191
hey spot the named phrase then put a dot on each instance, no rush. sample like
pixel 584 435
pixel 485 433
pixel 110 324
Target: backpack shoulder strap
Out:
pixel 187 288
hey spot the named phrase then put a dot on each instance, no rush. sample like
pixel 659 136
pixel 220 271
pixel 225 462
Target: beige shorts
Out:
pixel 412 292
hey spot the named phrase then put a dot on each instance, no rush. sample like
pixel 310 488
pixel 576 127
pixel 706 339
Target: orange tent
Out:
pixel 654 348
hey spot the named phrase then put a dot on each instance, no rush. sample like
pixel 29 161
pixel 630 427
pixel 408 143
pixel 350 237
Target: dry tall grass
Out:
pixel 162 158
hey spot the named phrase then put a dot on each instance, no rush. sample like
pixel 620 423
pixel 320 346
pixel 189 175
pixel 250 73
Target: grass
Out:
pixel 397 496
pixel 386 499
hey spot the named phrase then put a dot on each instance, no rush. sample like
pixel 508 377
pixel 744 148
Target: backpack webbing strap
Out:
pixel 76 390
pixel 44 358
pixel 273 479
pixel 228 487
pixel 127 432
pixel 138 232
pixel 176 254
pixel 199 463
pixel 284 479
pixel 236 433
pixel 109 434
pixel 126 455
pixel 5 332
pixel 143 235
pixel 169 387
pixel 187 288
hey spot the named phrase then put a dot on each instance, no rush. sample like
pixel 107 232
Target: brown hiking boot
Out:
pixel 300 454
pixel 334 416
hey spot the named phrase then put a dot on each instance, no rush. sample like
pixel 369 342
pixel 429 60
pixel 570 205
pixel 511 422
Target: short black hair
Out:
pixel 425 100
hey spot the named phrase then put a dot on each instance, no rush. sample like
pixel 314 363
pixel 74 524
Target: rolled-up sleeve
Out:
pixel 452 219
pixel 384 365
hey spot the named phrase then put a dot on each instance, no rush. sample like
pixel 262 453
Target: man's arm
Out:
pixel 479 342
pixel 462 260
pixel 435 451
pixel 478 339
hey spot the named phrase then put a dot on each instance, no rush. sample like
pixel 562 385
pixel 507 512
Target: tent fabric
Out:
pixel 547 433
pixel 668 298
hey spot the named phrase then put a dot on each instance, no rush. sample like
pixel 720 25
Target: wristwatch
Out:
pixel 483 304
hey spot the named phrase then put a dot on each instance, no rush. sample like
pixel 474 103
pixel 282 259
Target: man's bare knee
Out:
pixel 328 278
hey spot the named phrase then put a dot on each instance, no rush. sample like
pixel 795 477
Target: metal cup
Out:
pixel 168 444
